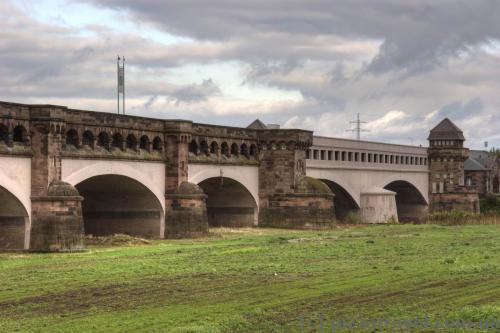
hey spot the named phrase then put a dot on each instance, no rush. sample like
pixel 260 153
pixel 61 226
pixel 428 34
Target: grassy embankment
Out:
pixel 256 280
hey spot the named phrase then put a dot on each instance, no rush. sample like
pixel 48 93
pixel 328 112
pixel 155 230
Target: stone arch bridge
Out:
pixel 68 172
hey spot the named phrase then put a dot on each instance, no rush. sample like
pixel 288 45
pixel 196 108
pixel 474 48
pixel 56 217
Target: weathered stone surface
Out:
pixel 57 222
pixel 186 212
pixel 447 156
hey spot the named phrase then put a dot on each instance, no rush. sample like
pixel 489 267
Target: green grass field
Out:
pixel 257 280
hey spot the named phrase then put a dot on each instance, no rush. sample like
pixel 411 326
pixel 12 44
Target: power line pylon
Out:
pixel 357 128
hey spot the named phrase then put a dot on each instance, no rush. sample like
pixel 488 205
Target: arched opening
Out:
pixel 20 135
pixel 496 185
pixel 344 204
pixel 103 140
pixel 88 139
pixel 72 138
pixel 214 147
pixel 229 203
pixel 193 147
pixel 410 203
pixel 244 150
pixel 253 150
pixel 204 148
pixel 118 141
pixel 157 144
pixel 131 142
pixel 144 144
pixel 234 150
pixel 4 134
pixel 224 149
pixel 13 221
pixel 116 204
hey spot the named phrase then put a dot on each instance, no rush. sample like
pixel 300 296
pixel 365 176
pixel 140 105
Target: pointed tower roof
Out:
pixel 257 124
pixel 446 130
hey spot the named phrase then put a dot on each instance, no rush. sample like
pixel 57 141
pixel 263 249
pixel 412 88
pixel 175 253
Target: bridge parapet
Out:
pixel 353 154
pixel 212 144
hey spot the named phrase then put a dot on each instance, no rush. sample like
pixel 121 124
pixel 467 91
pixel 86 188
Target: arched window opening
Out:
pixel 244 150
pixel 4 134
pixel 72 138
pixel 144 144
pixel 253 150
pixel 88 139
pixel 131 142
pixel 204 148
pixel 118 141
pixel 193 147
pixel 224 149
pixel 103 140
pixel 234 150
pixel 20 135
pixel 214 147
pixel 157 144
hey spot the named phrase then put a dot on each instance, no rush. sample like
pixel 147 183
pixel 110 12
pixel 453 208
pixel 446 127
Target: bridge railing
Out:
pixel 342 153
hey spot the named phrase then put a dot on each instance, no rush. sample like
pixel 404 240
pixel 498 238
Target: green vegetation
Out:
pixel 490 204
pixel 256 280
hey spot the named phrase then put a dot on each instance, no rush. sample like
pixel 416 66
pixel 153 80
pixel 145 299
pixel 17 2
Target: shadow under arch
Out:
pixel 14 222
pixel 343 202
pixel 229 203
pixel 410 203
pixel 116 204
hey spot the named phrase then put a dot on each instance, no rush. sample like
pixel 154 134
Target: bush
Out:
pixel 352 218
pixel 490 204
pixel 458 217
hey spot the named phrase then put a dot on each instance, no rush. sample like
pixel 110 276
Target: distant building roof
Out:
pixel 446 130
pixel 257 124
pixel 473 165
pixel 485 159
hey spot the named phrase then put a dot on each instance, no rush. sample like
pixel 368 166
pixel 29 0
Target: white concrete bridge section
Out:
pixel 119 196
pixel 232 192
pixel 361 174
pixel 15 202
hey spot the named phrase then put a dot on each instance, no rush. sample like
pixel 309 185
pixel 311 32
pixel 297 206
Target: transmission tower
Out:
pixel 357 127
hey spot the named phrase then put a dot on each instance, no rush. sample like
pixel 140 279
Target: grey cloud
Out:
pixel 416 35
pixel 461 110
pixel 195 93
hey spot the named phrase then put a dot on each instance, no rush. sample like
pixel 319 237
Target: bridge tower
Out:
pixel 447 156
pixel 57 221
pixel 288 198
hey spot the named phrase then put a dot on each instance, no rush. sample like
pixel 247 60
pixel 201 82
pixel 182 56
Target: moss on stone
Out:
pixel 62 189
pixel 309 185
pixel 189 188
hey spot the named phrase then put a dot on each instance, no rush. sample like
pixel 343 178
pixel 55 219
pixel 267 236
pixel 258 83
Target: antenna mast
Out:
pixel 120 67
pixel 357 128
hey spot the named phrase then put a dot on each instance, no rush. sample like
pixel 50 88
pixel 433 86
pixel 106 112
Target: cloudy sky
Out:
pixel 314 64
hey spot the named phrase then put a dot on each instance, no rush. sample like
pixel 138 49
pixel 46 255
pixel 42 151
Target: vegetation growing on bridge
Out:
pixel 256 280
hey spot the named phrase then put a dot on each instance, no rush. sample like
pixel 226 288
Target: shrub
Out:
pixel 352 218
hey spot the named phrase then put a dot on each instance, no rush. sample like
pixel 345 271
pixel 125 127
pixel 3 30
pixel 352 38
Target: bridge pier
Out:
pixel 56 214
pixel 288 198
pixel 378 206
pixel 185 203
pixel 186 212
pixel 57 221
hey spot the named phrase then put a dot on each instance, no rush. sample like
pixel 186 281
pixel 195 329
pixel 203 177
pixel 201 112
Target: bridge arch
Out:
pixel 14 221
pixel 118 204
pixel 229 203
pixel 247 176
pixel 344 202
pixel 232 193
pixel 138 180
pixel 411 203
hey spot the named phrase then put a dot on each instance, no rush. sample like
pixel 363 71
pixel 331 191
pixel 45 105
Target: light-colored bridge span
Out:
pixel 365 176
